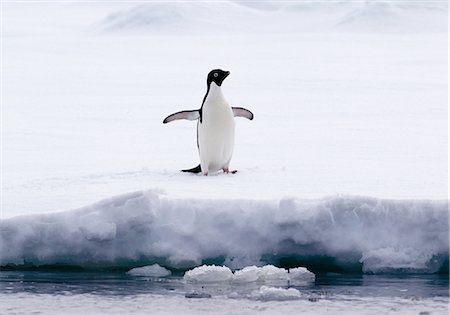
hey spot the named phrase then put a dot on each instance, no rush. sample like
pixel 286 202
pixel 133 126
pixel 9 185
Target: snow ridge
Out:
pixel 341 233
pixel 252 17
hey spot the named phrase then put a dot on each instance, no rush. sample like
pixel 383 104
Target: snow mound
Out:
pixel 251 17
pixel 209 274
pixel 179 17
pixel 145 16
pixel 266 293
pixel 154 270
pixel 338 234
pixel 389 16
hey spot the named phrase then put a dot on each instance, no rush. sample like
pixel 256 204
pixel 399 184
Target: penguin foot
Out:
pixel 227 171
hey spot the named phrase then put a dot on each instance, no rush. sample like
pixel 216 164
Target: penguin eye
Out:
pixel 216 75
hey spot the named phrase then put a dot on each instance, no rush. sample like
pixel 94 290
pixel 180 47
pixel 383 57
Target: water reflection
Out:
pixel 117 283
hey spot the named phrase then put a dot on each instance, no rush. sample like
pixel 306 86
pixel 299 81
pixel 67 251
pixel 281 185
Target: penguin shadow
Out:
pixel 214 174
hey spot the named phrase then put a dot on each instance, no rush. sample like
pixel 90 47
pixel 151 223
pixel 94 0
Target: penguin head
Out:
pixel 217 76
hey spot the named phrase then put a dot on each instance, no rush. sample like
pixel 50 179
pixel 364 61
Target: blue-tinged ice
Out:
pixel 340 233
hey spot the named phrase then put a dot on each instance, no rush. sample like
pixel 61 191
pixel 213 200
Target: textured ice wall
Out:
pixel 334 234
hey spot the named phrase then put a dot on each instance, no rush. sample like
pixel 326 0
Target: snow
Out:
pixel 291 17
pixel 340 107
pixel 94 229
pixel 350 100
pixel 340 233
pixel 27 303
pixel 154 270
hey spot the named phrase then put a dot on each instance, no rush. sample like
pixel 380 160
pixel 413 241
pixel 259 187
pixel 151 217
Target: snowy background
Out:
pixel 347 152
pixel 343 169
pixel 349 98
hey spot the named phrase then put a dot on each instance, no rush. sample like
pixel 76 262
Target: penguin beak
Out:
pixel 227 73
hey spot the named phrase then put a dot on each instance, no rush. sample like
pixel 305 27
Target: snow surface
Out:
pixel 27 303
pixel 340 233
pixel 348 97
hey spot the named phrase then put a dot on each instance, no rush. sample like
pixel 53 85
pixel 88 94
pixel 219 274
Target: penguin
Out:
pixel 215 126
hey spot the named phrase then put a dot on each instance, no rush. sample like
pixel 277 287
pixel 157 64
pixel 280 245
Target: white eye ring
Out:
pixel 216 75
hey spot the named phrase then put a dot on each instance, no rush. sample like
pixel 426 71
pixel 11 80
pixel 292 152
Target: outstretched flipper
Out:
pixel 185 114
pixel 242 112
pixel 196 169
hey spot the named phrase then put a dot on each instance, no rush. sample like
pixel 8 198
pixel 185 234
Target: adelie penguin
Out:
pixel 215 126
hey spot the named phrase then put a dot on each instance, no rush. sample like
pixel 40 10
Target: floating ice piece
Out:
pixel 150 271
pixel 266 273
pixel 272 273
pixel 266 293
pixel 209 274
pixel 301 274
pixel 247 274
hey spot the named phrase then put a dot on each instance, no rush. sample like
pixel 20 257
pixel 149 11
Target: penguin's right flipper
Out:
pixel 185 114
pixel 196 169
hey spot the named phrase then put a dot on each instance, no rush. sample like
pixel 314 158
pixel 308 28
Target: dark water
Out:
pixel 118 283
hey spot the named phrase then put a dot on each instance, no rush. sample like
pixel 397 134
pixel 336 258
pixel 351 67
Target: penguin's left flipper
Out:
pixel 185 114
pixel 242 112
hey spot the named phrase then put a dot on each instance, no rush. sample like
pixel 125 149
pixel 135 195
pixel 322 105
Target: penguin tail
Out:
pixel 196 169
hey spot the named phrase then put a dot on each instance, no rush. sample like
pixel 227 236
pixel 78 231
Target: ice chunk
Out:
pixel 266 273
pixel 209 274
pixel 247 274
pixel 272 273
pixel 150 271
pixel 301 274
pixel 266 293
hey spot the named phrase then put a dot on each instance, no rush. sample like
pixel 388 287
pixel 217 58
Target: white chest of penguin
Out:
pixel 216 131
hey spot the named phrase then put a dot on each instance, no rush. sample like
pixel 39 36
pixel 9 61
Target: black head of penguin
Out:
pixel 217 76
